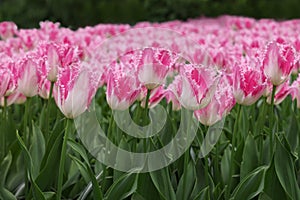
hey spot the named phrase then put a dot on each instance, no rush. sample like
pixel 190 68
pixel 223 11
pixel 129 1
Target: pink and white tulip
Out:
pixel 220 105
pixel 249 83
pixel 195 86
pixel 278 62
pixel 123 87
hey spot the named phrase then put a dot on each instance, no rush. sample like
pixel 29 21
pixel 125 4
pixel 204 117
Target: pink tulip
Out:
pixel 282 91
pixel 154 66
pixel 220 105
pixel 28 80
pixel 249 83
pixel 195 86
pixel 295 90
pixel 74 90
pixel 123 87
pixel 278 62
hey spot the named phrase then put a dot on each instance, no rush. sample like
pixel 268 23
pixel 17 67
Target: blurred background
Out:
pixel 78 13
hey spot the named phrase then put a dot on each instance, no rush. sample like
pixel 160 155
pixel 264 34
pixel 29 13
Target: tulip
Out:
pixel 249 83
pixel 123 87
pixel 278 62
pixel 28 77
pixel 74 94
pixel 195 86
pixel 220 105
pixel 154 66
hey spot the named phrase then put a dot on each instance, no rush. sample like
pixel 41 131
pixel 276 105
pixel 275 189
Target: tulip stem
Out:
pixel 26 135
pixel 232 163
pixel 3 153
pixel 63 159
pixel 48 109
pixel 272 122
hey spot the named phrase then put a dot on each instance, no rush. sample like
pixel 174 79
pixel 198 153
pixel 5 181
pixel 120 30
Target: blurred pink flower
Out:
pixel 7 29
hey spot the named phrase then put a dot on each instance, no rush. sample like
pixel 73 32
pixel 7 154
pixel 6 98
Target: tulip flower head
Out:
pixel 278 62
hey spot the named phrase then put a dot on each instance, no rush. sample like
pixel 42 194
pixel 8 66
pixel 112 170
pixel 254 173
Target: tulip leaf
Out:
pixel 250 156
pixel 162 182
pixel 6 195
pixel 37 149
pixel 225 165
pixel 251 185
pixel 186 182
pixel 37 193
pixel 4 167
pixel 125 186
pixel 285 171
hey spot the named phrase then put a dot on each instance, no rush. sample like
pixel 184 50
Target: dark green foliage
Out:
pixel 78 13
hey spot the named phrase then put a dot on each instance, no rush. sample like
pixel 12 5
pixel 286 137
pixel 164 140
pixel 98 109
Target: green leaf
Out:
pixel 6 195
pixel 285 171
pixel 251 185
pixel 203 195
pixel 272 187
pixel 37 193
pixel 162 182
pixel 291 134
pixel 225 165
pixel 187 178
pixel 37 149
pixel 250 156
pixel 47 175
pixel 4 167
pixel 80 150
pixel 87 172
pixel 146 186
pixel 123 187
pixel 81 167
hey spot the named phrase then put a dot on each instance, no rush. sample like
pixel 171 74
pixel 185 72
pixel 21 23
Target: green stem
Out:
pixel 63 159
pixel 109 136
pixel 26 135
pixel 232 163
pixel 145 118
pixel 259 129
pixel 3 145
pixel 48 110
pixel 272 122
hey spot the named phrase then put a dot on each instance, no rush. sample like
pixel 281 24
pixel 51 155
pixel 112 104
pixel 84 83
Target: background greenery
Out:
pixel 75 13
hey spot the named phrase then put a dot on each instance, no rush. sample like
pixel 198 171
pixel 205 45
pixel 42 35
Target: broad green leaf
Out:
pixel 250 157
pixel 37 193
pixel 285 171
pixel 81 167
pixel 123 187
pixel 291 133
pixel 4 167
pixel 225 165
pixel 6 195
pixel 186 182
pixel 251 185
pixel 79 149
pixel 161 180
pixel 273 188
pixel 86 171
pixel 203 195
pixel 47 175
pixel 37 149
pixel 146 187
